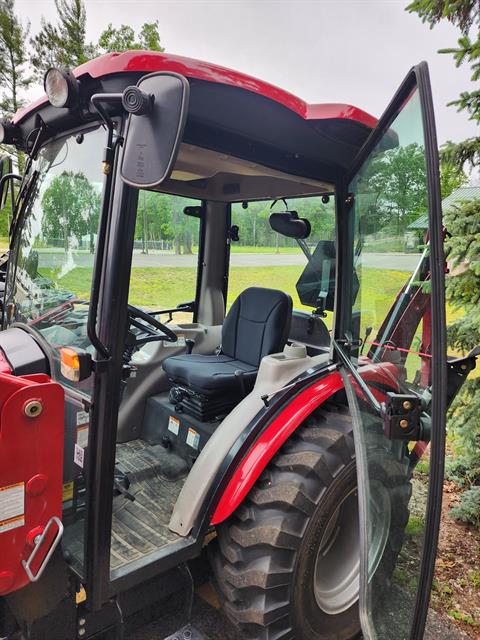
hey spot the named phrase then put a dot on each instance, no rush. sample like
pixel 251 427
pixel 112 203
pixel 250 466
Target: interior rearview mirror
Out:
pixel 290 225
pixel 6 167
pixel 158 108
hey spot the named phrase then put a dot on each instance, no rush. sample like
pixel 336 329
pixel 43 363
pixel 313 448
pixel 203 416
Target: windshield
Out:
pixel 54 247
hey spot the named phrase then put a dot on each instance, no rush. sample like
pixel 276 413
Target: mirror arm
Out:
pixel 304 247
pixel 6 178
pixel 99 100
pixel 9 176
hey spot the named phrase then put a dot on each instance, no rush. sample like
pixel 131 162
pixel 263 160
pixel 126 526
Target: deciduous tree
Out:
pixel 123 38
pixel 71 206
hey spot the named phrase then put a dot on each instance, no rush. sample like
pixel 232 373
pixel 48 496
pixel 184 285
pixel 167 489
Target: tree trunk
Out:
pixel 187 243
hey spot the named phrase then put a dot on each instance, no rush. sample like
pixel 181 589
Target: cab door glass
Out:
pixel 391 321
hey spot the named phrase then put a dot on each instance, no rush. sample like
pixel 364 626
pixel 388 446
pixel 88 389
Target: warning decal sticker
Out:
pixel 82 436
pixel 67 491
pixel 12 506
pixel 78 455
pixel 173 424
pixel 193 438
pixel 82 418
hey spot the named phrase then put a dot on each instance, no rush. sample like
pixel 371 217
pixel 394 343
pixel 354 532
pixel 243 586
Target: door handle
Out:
pixel 39 540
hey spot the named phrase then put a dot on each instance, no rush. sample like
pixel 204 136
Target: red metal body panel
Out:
pixel 282 427
pixel 4 365
pixel 31 462
pixel 278 431
pixel 149 61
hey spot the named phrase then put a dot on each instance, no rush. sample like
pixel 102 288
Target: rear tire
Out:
pixel 283 562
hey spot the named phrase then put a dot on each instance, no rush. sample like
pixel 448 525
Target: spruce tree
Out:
pixel 463 247
pixel 63 44
pixel 14 66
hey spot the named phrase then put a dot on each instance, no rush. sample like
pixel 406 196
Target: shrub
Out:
pixel 468 510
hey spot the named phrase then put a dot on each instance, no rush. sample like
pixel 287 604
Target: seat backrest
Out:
pixel 257 324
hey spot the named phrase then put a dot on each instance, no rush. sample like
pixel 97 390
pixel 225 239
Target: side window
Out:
pixel 392 260
pixel 264 258
pixel 165 255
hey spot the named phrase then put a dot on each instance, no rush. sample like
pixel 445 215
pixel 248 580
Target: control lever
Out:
pixel 189 344
pixel 241 381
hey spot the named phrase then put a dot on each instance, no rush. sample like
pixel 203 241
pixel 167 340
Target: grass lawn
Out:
pixel 165 287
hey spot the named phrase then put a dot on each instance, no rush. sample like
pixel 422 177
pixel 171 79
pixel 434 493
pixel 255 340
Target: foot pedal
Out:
pixel 188 632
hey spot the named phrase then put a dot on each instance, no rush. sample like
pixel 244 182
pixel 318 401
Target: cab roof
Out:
pixel 229 113
pixel 150 61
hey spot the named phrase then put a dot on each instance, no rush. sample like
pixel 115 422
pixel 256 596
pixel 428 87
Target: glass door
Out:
pixel 394 352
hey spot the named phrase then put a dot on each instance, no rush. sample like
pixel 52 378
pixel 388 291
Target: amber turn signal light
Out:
pixel 75 364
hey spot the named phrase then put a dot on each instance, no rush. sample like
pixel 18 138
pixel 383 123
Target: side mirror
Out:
pixel 290 225
pixel 158 108
pixel 6 168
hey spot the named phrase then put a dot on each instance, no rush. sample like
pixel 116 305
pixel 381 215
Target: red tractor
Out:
pixel 219 340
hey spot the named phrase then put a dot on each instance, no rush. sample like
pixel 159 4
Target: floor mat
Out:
pixel 141 526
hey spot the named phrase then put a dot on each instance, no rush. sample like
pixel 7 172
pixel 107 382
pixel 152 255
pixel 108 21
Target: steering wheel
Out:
pixel 149 327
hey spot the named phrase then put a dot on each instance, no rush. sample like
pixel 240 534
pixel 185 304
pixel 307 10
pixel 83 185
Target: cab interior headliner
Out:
pixel 212 175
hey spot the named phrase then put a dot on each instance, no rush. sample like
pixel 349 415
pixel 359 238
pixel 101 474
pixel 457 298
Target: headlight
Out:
pixel 61 87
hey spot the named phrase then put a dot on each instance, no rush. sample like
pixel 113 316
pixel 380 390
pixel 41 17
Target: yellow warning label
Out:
pixel 67 492
pixel 81 596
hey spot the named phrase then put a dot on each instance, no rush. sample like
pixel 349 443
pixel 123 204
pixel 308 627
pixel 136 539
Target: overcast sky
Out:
pixel 353 51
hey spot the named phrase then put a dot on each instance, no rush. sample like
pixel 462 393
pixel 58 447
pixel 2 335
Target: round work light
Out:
pixel 61 87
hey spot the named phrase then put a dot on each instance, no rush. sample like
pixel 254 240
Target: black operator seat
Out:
pixel 257 325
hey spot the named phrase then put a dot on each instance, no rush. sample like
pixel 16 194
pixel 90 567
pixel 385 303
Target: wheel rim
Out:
pixel 337 567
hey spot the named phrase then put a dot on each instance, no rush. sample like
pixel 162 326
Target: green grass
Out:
pixel 423 466
pixel 474 577
pixel 415 526
pixel 463 617
pixel 165 287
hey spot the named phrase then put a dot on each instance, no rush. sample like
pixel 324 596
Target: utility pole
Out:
pixel 144 224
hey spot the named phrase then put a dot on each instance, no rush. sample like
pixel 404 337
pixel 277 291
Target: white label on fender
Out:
pixel 173 425
pixel 78 456
pixel 12 506
pixel 193 438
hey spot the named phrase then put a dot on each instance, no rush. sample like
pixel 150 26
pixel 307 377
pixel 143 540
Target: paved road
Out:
pixel 393 261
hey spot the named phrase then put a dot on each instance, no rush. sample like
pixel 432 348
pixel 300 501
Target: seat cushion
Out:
pixel 210 374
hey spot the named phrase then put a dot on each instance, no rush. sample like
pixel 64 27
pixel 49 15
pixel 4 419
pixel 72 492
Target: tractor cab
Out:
pixel 221 339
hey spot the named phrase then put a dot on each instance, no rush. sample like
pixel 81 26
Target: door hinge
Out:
pixel 404 419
